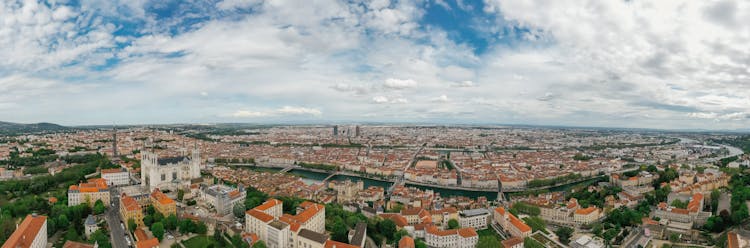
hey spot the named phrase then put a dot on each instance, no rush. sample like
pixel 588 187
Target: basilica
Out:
pixel 169 172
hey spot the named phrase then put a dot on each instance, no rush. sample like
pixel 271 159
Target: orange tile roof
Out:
pixel 161 197
pixel 500 210
pixel 129 203
pixel 695 203
pixel 512 242
pixel 149 243
pixel 234 193
pixel 260 215
pixel 114 170
pixel 585 211
pixel 467 232
pixel 269 204
pixel 26 232
pixel 406 242
pixel 335 244
pixel 140 234
pixel 732 240
pixel 396 218
pixel 73 244
pixel 519 224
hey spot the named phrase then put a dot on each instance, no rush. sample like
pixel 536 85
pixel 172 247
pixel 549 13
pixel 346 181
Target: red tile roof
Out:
pixel 335 244
pixel 519 224
pixel 406 242
pixel 26 232
pixel 149 243
pixel 161 197
pixel 73 244
pixel 268 204
pixel 260 215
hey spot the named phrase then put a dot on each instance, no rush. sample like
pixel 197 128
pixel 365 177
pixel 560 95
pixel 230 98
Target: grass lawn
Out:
pixel 200 241
pixel 489 232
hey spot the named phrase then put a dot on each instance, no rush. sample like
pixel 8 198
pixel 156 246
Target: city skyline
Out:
pixel 629 64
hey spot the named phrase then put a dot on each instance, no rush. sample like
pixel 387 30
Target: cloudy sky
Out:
pixel 653 64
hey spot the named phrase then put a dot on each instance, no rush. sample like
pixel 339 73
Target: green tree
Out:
pixel 674 238
pixel 564 233
pixel 679 204
pixel 131 225
pixel 62 221
pixel 72 235
pixel 158 217
pixel 453 224
pixel 259 244
pixel 100 238
pixel 158 230
pixel 99 207
pixel 387 227
pixel 201 228
pixel 398 235
pixel 488 241
pixel 170 223
pixel 420 244
pixel 148 220
pixel 150 210
pixel 180 194
pixel 339 231
pixel 239 210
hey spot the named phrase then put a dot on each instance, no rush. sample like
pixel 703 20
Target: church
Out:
pixel 169 172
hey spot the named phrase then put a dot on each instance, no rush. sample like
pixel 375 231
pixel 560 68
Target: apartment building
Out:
pixel 31 233
pixel 511 224
pixel 476 218
pixel 116 176
pixel 129 209
pixel 463 238
pixel 162 203
pixel 222 197
pixel 89 193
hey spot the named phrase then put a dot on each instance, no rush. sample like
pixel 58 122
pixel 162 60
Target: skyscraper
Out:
pixel 356 131
pixel 335 131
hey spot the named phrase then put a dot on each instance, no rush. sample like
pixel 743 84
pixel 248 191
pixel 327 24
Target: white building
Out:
pixel 116 177
pixel 476 218
pixel 31 233
pixel 223 198
pixel 277 234
pixel 169 173
pixel 90 226
pixel 465 237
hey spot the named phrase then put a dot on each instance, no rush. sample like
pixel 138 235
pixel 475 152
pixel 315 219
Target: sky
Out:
pixel 641 64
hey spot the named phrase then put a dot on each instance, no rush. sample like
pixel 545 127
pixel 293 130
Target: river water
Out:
pixel 310 178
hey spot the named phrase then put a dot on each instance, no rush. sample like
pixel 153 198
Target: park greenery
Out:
pixel 553 181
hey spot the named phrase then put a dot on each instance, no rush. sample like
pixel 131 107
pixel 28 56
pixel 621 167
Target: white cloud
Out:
pixel 299 111
pixel 237 4
pixel 248 114
pixel 399 84
pixel 464 84
pixel 441 98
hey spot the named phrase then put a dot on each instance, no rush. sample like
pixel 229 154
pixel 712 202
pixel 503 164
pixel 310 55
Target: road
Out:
pixel 117 233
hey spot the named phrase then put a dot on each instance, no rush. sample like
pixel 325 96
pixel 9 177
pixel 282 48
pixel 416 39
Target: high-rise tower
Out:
pixel 114 144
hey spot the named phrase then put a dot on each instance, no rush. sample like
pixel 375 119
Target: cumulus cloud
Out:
pixel 283 111
pixel 441 98
pixel 392 100
pixel 464 84
pixel 399 84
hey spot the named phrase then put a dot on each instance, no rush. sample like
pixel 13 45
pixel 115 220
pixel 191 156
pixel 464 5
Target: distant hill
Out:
pixel 9 128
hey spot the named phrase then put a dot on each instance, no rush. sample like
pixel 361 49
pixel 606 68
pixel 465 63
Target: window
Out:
pixel 174 175
pixel 163 177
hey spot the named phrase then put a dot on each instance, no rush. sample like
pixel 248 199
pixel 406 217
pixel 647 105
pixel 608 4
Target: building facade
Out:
pixel 129 209
pixel 116 177
pixel 169 173
pixel 89 193
pixel 31 233
pixel 162 203
pixel 222 197
pixel 476 218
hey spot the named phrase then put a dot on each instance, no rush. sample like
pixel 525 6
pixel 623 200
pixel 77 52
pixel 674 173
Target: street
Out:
pixel 117 233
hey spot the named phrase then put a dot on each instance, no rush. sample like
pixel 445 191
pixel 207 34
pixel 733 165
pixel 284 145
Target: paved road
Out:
pixel 117 233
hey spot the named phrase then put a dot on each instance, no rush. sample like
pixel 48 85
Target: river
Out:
pixel 310 178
